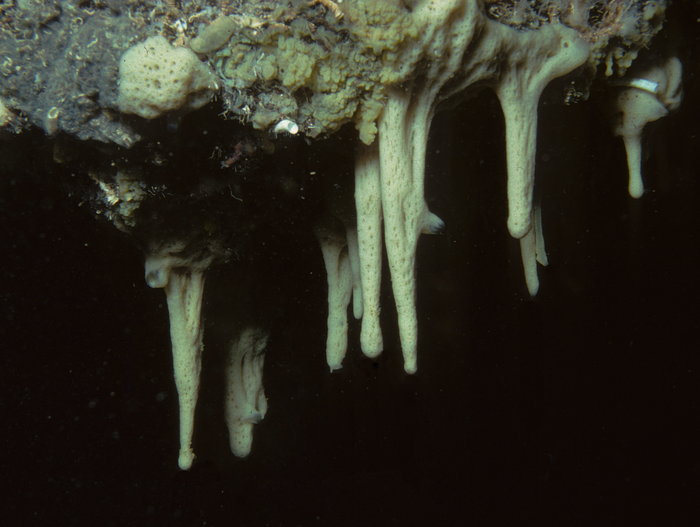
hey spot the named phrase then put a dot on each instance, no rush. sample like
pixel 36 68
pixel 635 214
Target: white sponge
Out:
pixel 156 77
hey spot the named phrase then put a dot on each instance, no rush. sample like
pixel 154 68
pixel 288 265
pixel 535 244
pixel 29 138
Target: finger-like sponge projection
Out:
pixel 648 95
pixel 245 403
pixel 183 282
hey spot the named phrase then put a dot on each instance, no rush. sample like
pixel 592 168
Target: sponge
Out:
pixel 649 96
pixel 156 77
pixel 5 114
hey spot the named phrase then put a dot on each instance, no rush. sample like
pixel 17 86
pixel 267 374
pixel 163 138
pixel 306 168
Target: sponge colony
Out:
pixel 156 77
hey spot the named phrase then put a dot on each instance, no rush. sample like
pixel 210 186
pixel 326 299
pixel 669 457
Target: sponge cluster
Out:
pixel 156 77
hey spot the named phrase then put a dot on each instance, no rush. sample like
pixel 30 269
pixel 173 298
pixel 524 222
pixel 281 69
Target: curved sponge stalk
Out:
pixel 652 94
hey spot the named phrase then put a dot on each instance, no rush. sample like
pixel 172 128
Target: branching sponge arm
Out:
pixel 648 96
pixel 446 28
pixel 184 292
pixel 354 257
pixel 368 204
pixel 245 402
pixel 534 60
pixel 183 281
pixel 339 275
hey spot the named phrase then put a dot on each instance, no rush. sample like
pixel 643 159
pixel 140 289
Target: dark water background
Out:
pixel 577 408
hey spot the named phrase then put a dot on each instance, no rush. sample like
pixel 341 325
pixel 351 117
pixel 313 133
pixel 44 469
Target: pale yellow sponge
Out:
pixel 5 114
pixel 245 403
pixel 649 95
pixel 156 77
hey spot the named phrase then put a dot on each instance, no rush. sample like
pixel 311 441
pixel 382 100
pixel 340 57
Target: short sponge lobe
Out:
pixel 156 77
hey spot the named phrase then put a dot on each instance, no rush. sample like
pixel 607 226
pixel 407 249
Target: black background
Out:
pixel 576 408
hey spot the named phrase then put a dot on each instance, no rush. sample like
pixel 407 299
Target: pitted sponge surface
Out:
pixel 156 77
